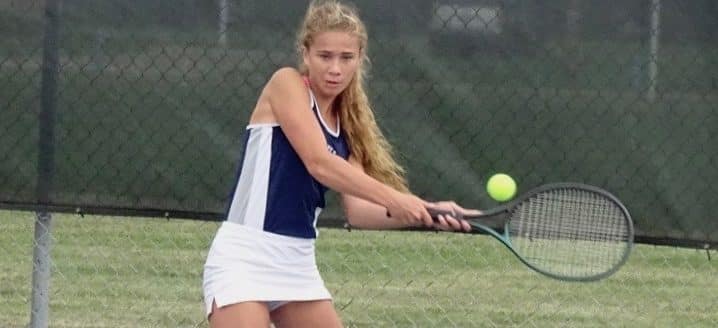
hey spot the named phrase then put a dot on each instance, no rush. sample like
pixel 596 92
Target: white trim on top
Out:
pixel 315 106
pixel 261 125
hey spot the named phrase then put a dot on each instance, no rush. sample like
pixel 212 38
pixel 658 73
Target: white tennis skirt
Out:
pixel 247 264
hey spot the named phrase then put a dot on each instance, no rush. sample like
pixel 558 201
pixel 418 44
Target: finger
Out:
pixel 415 217
pixel 442 207
pixel 454 223
pixel 449 221
pixel 465 226
pixel 441 223
pixel 470 212
pixel 426 218
pixel 430 204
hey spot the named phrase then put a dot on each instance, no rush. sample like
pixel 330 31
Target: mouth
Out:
pixel 333 83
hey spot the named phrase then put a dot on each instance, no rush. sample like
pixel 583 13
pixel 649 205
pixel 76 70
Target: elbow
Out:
pixel 354 222
pixel 360 215
pixel 351 219
pixel 318 168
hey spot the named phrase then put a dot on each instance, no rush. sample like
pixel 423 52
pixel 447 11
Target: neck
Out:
pixel 325 105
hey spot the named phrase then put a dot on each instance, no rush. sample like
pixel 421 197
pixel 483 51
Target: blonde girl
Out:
pixel 311 130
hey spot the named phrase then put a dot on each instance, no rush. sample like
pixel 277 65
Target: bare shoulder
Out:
pixel 286 89
pixel 287 71
pixel 282 84
pixel 286 77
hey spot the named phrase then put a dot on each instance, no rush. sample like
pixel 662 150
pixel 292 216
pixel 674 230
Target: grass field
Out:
pixel 133 272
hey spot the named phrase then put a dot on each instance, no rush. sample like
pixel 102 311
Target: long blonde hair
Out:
pixel 366 141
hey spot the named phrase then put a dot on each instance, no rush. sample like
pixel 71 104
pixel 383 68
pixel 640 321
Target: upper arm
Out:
pixel 291 106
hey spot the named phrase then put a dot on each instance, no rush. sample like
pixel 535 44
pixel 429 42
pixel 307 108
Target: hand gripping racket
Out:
pixel 567 231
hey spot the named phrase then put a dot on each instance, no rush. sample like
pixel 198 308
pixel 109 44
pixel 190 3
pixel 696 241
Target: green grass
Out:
pixel 135 272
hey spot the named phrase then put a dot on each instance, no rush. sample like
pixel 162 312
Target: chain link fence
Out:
pixel 137 108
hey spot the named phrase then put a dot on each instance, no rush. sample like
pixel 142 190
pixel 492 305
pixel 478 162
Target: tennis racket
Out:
pixel 567 231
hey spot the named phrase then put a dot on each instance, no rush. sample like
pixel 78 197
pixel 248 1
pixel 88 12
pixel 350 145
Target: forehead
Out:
pixel 335 42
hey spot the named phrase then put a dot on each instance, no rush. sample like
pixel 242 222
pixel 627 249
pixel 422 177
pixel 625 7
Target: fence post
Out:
pixel 39 317
pixel 653 59
pixel 223 19
pixel 40 309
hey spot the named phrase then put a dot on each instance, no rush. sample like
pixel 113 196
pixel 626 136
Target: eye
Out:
pixel 324 56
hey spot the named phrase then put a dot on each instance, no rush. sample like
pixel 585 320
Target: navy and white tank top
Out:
pixel 274 191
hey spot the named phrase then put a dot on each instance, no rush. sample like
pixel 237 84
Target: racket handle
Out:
pixel 435 212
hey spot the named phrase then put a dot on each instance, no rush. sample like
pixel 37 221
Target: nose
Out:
pixel 334 68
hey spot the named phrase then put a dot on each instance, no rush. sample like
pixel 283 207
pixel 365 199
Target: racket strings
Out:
pixel 570 232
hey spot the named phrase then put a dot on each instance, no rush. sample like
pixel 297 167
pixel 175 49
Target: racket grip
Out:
pixel 435 212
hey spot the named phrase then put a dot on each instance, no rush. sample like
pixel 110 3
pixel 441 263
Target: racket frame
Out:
pixel 496 223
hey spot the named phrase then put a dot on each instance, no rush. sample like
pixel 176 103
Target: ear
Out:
pixel 305 56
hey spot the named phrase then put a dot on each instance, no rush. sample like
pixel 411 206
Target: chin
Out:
pixel 333 92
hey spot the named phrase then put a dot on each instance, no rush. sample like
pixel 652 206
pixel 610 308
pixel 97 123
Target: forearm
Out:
pixel 362 214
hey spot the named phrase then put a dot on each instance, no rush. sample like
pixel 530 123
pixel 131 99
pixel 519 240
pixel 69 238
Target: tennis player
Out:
pixel 312 129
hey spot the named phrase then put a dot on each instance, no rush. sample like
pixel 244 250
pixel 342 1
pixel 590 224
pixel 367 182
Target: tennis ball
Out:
pixel 501 187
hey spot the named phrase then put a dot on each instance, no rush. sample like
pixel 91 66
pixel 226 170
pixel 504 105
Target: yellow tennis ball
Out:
pixel 501 187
